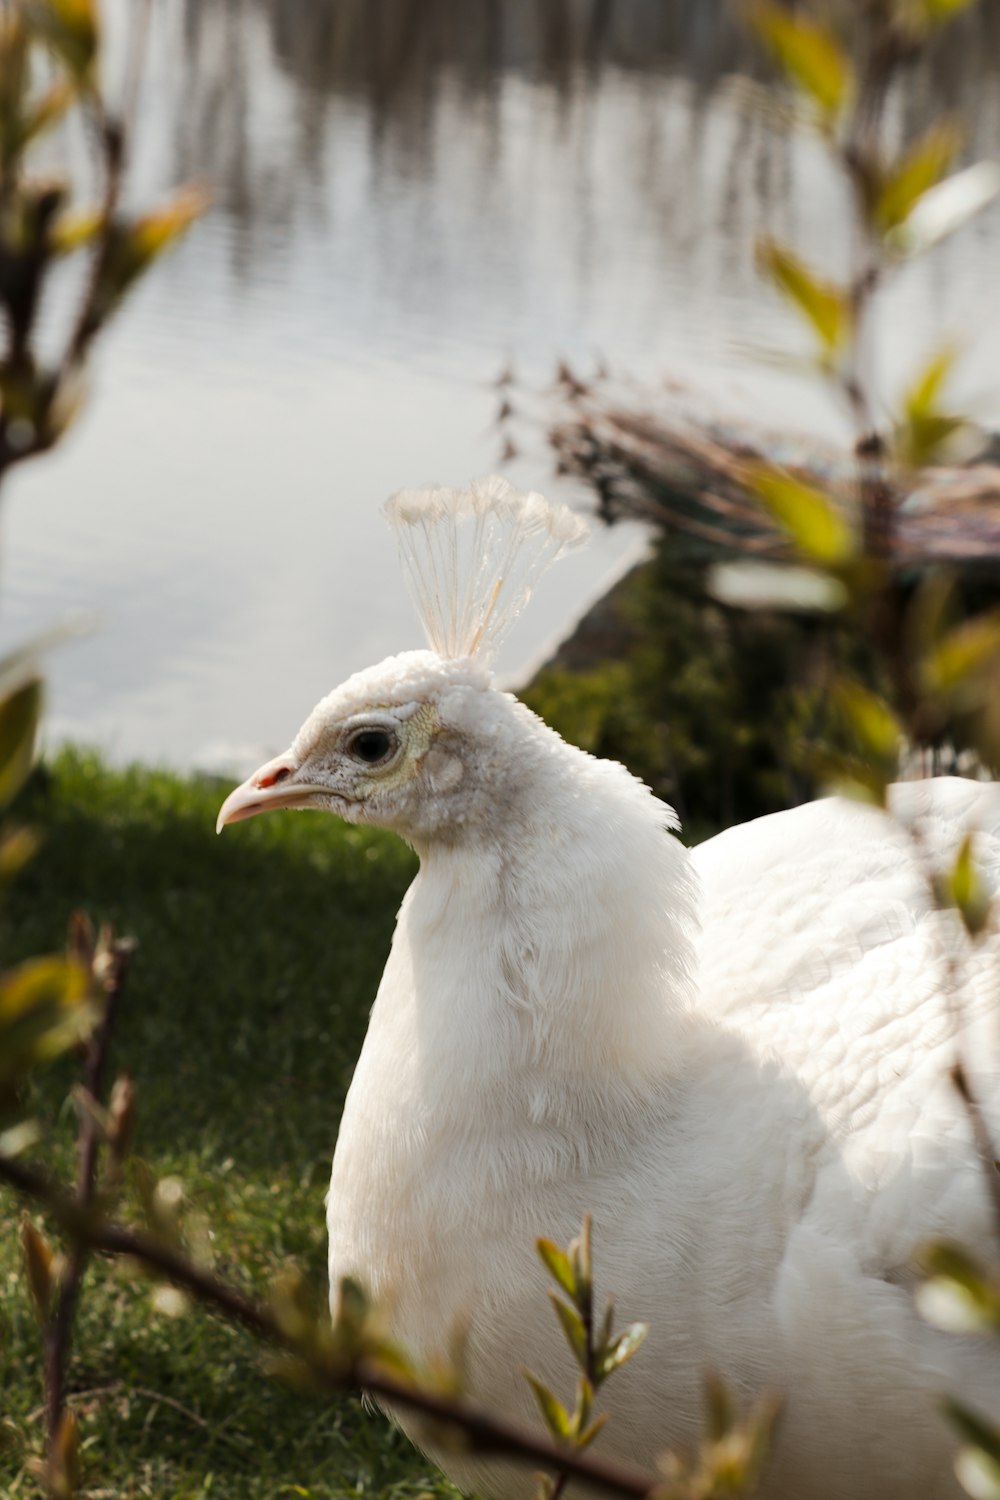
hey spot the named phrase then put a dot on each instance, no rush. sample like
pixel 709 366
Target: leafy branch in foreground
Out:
pixel 349 1353
pixel 51 58
pixel 935 671
pixel 731 1456
pixel 598 1353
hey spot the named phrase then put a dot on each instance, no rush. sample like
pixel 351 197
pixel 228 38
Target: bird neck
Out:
pixel 549 965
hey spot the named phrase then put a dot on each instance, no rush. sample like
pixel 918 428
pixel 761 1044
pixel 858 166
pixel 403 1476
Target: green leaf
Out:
pixel 812 520
pixel 954 665
pixel 40 1264
pixel 71 231
pixel 977 1430
pixel 924 395
pixel 63 1475
pixel 587 1436
pixel 720 1413
pixel 155 231
pixel 572 1327
pixel 809 54
pixel 72 30
pixel 958 1295
pixel 19 714
pixel 621 1349
pixel 946 207
pixel 557 1263
pixel 14 78
pixel 920 168
pixel 353 1307
pixel 17 846
pixel 47 110
pixel 850 776
pixel 134 247
pixel 978 1474
pixel 584 1404
pixel 583 1266
pixel 45 1008
pixel 967 891
pixel 824 305
pixel 937 12
pixel 872 722
pixel 924 427
pixel 554 1414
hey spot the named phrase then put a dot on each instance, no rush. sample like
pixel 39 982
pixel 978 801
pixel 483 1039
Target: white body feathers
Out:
pixel 756 1113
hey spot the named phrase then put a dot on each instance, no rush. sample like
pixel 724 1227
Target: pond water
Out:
pixel 409 196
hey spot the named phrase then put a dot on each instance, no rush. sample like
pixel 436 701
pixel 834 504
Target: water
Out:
pixel 409 197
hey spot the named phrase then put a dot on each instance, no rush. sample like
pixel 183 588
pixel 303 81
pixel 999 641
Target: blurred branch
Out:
pixel 483 1432
pixel 981 1135
pixel 112 967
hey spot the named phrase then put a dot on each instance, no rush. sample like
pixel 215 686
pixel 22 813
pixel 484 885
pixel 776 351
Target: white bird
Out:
pixel 735 1057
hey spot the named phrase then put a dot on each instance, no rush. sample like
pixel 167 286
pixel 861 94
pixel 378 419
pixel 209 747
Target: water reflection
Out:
pixel 408 194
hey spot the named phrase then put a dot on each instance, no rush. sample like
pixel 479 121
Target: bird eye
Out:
pixel 371 745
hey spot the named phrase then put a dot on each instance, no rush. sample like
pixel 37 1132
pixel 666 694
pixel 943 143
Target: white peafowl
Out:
pixel 735 1057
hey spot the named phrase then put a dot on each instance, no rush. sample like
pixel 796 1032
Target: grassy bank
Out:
pixel 259 954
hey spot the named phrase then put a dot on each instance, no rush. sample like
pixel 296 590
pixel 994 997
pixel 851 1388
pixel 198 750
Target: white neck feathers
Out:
pixel 550 967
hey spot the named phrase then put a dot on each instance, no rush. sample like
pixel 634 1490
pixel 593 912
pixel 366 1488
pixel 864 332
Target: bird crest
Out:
pixel 472 558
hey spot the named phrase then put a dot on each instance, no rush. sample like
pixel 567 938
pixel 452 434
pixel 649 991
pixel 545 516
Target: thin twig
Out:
pixel 59 1329
pixel 981 1135
pixel 484 1432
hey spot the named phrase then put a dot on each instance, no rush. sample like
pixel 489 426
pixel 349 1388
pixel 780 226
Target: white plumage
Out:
pixel 736 1058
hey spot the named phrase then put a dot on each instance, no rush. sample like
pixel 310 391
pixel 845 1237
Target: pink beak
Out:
pixel 273 785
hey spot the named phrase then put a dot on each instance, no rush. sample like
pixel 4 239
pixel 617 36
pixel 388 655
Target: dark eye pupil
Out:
pixel 371 745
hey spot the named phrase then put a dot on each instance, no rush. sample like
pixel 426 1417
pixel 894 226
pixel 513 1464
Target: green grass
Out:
pixel 259 955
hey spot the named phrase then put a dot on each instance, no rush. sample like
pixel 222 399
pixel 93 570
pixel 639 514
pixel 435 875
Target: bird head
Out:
pixel 424 743
pixel 404 745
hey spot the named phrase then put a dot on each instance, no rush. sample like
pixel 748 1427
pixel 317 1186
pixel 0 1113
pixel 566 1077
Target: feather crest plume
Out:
pixel 472 557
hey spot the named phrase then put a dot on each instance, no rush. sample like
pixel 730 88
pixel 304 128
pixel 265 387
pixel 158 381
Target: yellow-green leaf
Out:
pixel 72 231
pixel 557 1263
pixel 946 207
pixel 955 664
pixel 587 1436
pixel 966 890
pixel 45 1007
pixel 924 394
pixel 135 246
pixel 554 1414
pixel 582 1262
pixel 810 55
pixel 572 1327
pixel 155 231
pixel 17 846
pixel 19 713
pixel 923 165
pixel 47 110
pixel 978 1473
pixel 959 1295
pixel 939 11
pixel 824 305
pixel 39 1261
pixel 621 1349
pixel 979 1431
pixel 850 776
pixel 872 722
pixel 63 1474
pixel 720 1412
pixel 812 519
pixel 72 30
pixel 924 426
